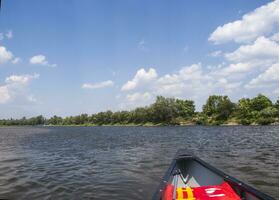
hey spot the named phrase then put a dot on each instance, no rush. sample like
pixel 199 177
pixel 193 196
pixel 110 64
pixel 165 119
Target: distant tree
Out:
pixel 243 111
pixel 102 118
pixel 211 105
pixel 84 118
pixel 276 105
pixel 219 107
pixel 164 110
pixel 40 120
pixel 268 112
pixel 139 115
pixel 216 110
pixel 185 108
pixel 260 102
pixel 55 120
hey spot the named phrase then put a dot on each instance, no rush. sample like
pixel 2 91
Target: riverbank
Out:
pixel 143 125
pixel 138 125
pixel 218 110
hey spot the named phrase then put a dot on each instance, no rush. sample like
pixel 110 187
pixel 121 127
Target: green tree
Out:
pixel 185 108
pixel 218 107
pixel 244 112
pixel 164 110
pixel 55 120
pixel 260 102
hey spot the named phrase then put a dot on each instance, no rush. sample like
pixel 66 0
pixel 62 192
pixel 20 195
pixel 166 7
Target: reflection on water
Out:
pixel 127 162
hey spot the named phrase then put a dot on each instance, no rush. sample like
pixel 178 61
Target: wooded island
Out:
pixel 218 110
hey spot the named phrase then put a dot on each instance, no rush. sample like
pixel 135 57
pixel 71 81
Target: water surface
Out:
pixel 127 162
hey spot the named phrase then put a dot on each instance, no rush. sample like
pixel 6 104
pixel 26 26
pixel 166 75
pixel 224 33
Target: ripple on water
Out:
pixel 127 162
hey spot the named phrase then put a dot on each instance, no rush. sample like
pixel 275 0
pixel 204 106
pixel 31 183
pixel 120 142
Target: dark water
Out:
pixel 127 162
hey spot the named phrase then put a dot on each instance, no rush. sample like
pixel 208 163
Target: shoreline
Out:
pixel 139 125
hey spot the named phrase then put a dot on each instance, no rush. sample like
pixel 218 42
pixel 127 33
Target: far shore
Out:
pixel 137 125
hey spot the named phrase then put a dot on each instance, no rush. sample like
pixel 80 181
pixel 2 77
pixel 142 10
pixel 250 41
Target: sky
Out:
pixel 69 57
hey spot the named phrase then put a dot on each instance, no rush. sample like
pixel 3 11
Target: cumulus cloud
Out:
pixel 253 67
pixel 135 99
pixel 21 79
pixel 235 68
pixel 191 82
pixel 16 88
pixel 5 55
pixel 186 79
pixel 142 77
pixel 261 21
pixel 262 49
pixel 103 84
pixel 269 77
pixel 137 96
pixel 40 60
pixel 255 63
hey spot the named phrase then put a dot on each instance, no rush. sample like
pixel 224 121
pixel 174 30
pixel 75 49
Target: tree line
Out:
pixel 217 110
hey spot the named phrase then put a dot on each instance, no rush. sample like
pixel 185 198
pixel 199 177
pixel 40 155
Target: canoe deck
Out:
pixel 192 174
pixel 187 170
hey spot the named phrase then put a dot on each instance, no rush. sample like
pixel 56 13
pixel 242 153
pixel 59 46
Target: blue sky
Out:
pixel 69 57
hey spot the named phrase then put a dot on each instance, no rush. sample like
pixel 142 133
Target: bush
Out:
pixel 245 121
pixel 201 119
pixel 265 121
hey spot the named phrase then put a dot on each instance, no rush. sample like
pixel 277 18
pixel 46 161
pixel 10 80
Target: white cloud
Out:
pixel 1 36
pixel 270 77
pixel 261 21
pixel 186 79
pixel 21 79
pixel 9 34
pixel 191 82
pixel 135 97
pixel 103 84
pixel 252 68
pixel 226 85
pixel 5 55
pixel 41 60
pixel 262 49
pixel 16 89
pixel 235 68
pixel 142 77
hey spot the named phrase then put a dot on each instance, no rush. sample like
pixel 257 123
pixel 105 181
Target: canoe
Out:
pixel 191 178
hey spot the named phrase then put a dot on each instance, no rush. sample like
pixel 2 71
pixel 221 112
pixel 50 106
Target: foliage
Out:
pixel 260 102
pixel 218 107
pixel 170 111
pixel 265 121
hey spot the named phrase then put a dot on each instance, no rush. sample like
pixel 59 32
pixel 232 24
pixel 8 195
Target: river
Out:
pixel 127 162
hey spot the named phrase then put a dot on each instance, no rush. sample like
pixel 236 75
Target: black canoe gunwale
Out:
pixel 184 154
